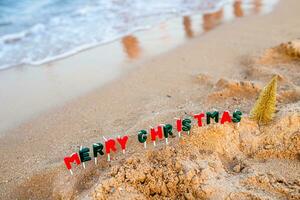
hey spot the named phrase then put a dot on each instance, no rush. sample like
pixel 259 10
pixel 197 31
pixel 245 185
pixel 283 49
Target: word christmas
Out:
pixel 163 130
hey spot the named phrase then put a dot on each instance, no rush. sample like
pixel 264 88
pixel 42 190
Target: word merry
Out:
pixel 162 131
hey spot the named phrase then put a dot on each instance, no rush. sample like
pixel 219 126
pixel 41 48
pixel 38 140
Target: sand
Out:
pixel 215 162
pixel 223 69
pixel 246 161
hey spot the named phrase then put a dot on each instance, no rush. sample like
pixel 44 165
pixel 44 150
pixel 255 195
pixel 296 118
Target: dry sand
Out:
pixel 224 69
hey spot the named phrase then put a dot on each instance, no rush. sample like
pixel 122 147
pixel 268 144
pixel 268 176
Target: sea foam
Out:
pixel 38 32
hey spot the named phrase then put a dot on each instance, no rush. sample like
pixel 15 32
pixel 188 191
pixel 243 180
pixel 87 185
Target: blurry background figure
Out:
pixel 188 27
pixel 257 6
pixel 131 46
pixel 211 20
pixel 238 10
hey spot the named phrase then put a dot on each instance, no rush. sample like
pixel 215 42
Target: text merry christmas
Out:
pixel 99 149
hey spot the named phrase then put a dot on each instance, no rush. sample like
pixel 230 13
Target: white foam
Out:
pixel 59 31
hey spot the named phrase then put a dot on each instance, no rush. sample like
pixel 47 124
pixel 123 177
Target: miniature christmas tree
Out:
pixel 264 107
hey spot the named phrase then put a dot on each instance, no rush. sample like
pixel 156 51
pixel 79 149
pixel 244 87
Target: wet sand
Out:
pixel 156 91
pixel 31 90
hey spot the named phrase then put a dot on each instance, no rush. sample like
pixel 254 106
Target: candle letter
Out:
pixel 142 136
pixel 110 145
pixel 155 133
pixel 73 158
pixel 214 115
pixel 199 118
pixel 186 125
pixel 123 141
pixel 237 116
pixel 98 148
pixel 168 130
pixel 225 117
pixel 84 154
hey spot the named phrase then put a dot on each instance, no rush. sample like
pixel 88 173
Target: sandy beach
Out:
pixel 224 68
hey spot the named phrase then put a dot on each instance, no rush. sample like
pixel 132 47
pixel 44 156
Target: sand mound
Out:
pixel 214 162
pixel 283 53
pixel 292 48
pixel 289 95
pixel 226 94
pixel 283 61
pixel 225 89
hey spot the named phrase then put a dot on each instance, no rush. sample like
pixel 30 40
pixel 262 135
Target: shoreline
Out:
pixel 124 104
pixel 11 37
pixel 45 87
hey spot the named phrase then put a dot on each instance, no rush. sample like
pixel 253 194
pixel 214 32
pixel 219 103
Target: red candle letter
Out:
pixel 199 118
pixel 225 117
pixel 110 145
pixel 73 158
pixel 179 125
pixel 155 133
pixel 123 141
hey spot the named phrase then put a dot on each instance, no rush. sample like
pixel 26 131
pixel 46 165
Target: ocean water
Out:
pixel 34 32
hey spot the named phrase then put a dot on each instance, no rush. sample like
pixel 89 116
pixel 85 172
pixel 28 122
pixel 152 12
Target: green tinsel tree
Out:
pixel 265 105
